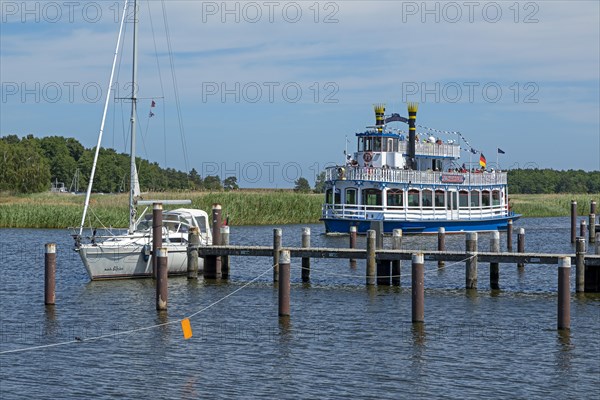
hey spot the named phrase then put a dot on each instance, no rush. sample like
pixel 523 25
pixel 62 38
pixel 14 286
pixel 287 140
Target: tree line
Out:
pixel 30 165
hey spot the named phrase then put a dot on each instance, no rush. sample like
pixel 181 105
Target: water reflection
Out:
pixel 564 352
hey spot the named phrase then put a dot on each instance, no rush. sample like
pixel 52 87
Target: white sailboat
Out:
pixel 128 255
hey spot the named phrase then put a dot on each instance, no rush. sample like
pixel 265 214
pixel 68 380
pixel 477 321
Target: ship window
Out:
pixel 394 198
pixel 485 198
pixel 390 145
pixel 496 198
pixel 377 144
pixel 372 197
pixel 413 198
pixel 328 196
pixel 474 198
pixel 440 197
pixel 427 198
pixel 463 199
pixel 368 144
pixel 350 196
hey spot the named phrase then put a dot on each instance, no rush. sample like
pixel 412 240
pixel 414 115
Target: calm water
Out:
pixel 343 340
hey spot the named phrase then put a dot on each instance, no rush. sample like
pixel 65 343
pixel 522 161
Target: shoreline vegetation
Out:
pixel 243 207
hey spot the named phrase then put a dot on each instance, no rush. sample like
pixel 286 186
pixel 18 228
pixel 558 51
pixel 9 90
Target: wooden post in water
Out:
pixel 192 252
pixel 225 259
pixel 592 207
pixel 521 244
pixel 353 245
pixel 418 288
pixel 509 235
pixel 441 244
pixel 157 223
pixel 396 264
pixel 162 295
pixel 377 226
pixel 384 269
pixel 50 274
pixel 371 244
pixel 592 228
pixel 564 294
pixel 284 283
pixel 305 260
pixel 494 266
pixel 276 250
pixel 583 228
pixel 471 263
pixel 580 264
pixel 573 221
pixel 217 222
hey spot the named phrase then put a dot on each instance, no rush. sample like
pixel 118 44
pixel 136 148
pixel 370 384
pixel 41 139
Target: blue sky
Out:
pixel 269 90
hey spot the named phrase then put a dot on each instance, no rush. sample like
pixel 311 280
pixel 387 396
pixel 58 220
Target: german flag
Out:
pixel 482 161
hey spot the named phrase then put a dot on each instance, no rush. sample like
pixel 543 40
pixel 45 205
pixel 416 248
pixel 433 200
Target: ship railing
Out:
pixel 395 175
pixel 432 149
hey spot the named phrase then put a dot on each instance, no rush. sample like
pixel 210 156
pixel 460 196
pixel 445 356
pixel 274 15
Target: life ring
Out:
pixel 368 156
pixel 341 173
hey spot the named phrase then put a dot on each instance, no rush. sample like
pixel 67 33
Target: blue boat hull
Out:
pixel 424 226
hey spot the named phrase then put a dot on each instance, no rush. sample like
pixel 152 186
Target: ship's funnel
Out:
pixel 412 131
pixel 379 116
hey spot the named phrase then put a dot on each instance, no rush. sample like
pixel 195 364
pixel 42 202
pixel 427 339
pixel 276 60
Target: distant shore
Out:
pixel 244 207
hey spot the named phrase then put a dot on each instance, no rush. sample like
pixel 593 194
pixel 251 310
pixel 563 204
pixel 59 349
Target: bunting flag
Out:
pixel 153 104
pixel 151 114
pixel 500 151
pixel 482 161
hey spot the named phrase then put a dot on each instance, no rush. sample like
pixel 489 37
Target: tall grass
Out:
pixel 47 210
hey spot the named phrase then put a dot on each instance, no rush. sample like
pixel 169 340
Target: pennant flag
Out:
pixel 151 114
pixel 153 104
pixel 500 151
pixel 473 151
pixel 482 161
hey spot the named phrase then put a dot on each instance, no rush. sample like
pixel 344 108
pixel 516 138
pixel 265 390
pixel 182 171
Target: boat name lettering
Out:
pixel 452 178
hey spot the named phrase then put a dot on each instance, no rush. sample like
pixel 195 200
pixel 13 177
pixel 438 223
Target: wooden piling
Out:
pixel 192 252
pixel 471 263
pixel 384 269
pixel 305 260
pixel 573 221
pixel 418 288
pixel 284 283
pixel 592 228
pixel 564 294
pixel 583 228
pixel 276 250
pixel 396 264
pixel 441 244
pixel 377 226
pixel 157 224
pixel 580 264
pixel 521 244
pixel 353 245
pixel 592 207
pixel 50 274
pixel 495 266
pixel 509 235
pixel 217 222
pixel 225 259
pixel 162 295
pixel 371 245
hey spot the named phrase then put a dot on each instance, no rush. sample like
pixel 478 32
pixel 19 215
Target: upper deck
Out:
pixel 414 177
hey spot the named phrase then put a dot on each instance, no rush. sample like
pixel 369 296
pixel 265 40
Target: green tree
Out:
pixel 320 183
pixel 302 185
pixel 212 182
pixel 230 183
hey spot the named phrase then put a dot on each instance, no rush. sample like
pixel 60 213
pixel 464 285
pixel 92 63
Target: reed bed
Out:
pixel 49 210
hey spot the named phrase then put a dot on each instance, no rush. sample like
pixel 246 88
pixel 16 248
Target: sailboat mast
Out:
pixel 133 174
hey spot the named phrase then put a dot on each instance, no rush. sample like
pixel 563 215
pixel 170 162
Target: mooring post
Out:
pixel 580 264
pixel 441 244
pixel 384 269
pixel 371 261
pixel 353 245
pixel 276 250
pixel 495 266
pixel 217 222
pixel 583 228
pixel 50 274
pixel 592 228
pixel 377 226
pixel 564 293
pixel 192 252
pixel 305 260
pixel 593 207
pixel 162 295
pixel 396 264
pixel 573 221
pixel 509 235
pixel 225 259
pixel 157 223
pixel 284 283
pixel 471 263
pixel 418 288
pixel 521 245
